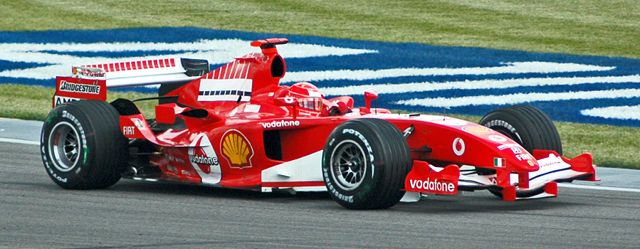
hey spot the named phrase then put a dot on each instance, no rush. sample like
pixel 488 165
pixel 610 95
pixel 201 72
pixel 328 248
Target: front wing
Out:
pixel 554 168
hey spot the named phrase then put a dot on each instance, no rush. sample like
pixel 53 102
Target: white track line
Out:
pixel 18 141
pixel 569 185
pixel 507 67
pixel 519 98
pixel 479 84
pixel 617 112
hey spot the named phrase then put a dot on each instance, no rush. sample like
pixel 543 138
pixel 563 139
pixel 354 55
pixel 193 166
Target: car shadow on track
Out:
pixel 475 202
pixel 478 202
pixel 171 188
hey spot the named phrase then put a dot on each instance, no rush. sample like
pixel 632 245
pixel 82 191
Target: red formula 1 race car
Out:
pixel 236 127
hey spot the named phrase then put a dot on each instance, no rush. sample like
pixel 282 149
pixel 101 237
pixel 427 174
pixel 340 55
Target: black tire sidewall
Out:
pixel 103 150
pixel 75 178
pixel 370 145
pixel 508 125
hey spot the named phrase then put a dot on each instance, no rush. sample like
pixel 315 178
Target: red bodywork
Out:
pixel 244 130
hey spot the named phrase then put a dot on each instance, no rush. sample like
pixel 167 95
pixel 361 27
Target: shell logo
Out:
pixel 236 149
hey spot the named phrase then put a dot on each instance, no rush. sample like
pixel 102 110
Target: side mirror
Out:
pixel 369 95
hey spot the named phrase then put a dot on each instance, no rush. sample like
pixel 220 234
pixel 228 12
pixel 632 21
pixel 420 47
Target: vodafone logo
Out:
pixel 458 146
pixel 204 159
pixel 289 100
pixel 432 186
pixel 280 124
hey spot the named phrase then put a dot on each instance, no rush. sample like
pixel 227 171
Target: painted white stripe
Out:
pixel 569 185
pixel 228 85
pixel 18 141
pixel 617 112
pixel 248 68
pixel 237 70
pixel 509 67
pixel 477 84
pixel 224 72
pixel 519 98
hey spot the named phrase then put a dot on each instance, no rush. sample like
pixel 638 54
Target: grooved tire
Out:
pixel 82 146
pixel 526 125
pixel 364 164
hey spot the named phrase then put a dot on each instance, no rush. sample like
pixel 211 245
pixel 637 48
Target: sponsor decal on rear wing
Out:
pixel 73 89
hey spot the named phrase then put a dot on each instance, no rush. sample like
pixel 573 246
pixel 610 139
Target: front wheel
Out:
pixel 82 146
pixel 529 127
pixel 365 162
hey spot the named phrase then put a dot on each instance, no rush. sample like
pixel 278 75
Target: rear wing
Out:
pixel 92 81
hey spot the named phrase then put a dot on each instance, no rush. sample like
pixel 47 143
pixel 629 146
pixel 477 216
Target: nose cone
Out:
pixel 521 162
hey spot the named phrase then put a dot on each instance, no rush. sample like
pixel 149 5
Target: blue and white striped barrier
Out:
pixel 414 77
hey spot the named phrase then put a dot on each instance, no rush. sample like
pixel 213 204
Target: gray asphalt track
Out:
pixel 36 213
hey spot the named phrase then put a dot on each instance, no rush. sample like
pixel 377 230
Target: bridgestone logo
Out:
pixel 204 160
pixel 79 88
pixel 280 124
pixel 434 185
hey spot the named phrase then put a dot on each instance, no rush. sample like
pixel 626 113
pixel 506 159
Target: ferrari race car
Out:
pixel 237 127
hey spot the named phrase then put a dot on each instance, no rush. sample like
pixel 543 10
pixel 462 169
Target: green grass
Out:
pixel 34 102
pixel 593 27
pixel 586 27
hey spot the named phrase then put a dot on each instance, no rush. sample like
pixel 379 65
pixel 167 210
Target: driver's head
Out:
pixel 307 95
pixel 304 90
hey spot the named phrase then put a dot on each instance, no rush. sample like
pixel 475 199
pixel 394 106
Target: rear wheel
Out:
pixel 528 126
pixel 364 164
pixel 82 146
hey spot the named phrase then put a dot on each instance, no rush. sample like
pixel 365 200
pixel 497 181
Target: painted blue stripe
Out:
pixel 388 56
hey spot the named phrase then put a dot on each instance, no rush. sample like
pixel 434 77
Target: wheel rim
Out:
pixel 348 164
pixel 64 146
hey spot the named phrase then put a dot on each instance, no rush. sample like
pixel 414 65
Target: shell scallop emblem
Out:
pixel 236 149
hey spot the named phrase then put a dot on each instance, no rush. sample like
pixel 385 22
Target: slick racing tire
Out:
pixel 526 125
pixel 529 127
pixel 364 164
pixel 82 146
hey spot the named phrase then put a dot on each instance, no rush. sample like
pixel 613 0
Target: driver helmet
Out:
pixel 308 95
pixel 304 90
